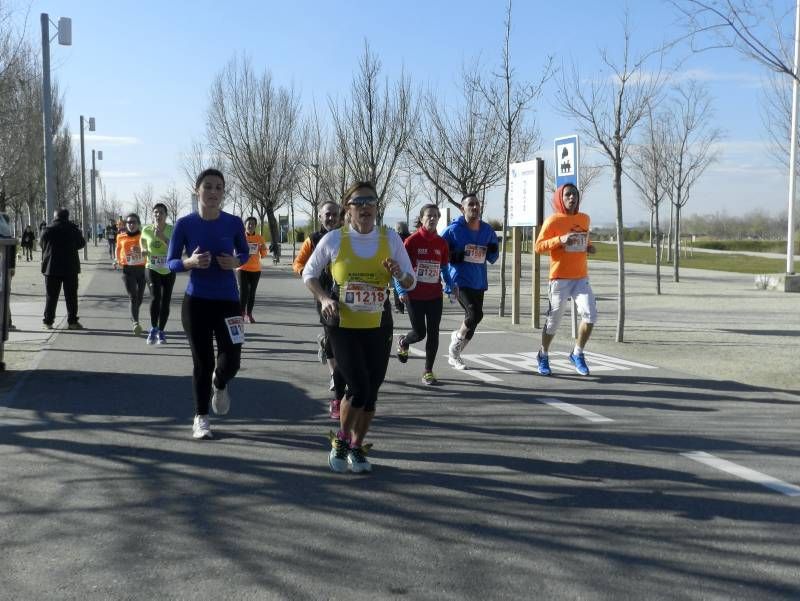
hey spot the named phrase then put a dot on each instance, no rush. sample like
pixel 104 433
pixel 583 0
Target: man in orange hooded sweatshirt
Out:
pixel 565 236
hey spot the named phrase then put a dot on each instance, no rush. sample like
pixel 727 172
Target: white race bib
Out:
pixel 235 329
pixel 134 257
pixel 159 261
pixel 577 244
pixel 428 272
pixel 474 253
pixel 364 297
pixel 253 248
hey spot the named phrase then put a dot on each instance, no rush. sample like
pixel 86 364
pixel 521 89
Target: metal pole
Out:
pixel 93 180
pixel 49 169
pixel 83 192
pixel 294 235
pixel 793 149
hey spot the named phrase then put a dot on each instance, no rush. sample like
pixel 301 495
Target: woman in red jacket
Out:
pixel 429 256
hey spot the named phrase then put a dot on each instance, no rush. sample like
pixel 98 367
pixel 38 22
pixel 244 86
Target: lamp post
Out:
pixel 94 178
pixel 793 148
pixel 64 29
pixel 83 188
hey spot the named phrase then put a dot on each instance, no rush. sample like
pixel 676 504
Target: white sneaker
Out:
pixel 454 351
pixel 220 401
pixel 201 429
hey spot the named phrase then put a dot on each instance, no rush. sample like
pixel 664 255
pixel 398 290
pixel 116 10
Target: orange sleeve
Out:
pixel 302 257
pixel 262 249
pixel 118 252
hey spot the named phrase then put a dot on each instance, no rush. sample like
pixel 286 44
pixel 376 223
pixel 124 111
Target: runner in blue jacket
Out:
pixel 472 243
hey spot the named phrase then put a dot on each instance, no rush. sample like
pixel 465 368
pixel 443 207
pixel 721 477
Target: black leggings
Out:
pixel 203 321
pixel 472 302
pixel 362 356
pixel 112 247
pixel 248 282
pixel 133 277
pixel 160 285
pixel 422 313
pixel 338 380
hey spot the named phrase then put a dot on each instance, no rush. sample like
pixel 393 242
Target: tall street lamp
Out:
pixel 64 29
pixel 83 188
pixel 99 155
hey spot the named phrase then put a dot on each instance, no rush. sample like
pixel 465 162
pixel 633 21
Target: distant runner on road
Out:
pixel 160 280
pixel 130 256
pixel 250 272
pixel 472 242
pixel 565 236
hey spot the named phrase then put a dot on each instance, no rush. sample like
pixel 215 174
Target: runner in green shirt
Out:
pixel 160 280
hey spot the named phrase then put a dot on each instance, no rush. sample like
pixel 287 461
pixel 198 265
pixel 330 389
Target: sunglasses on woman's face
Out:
pixel 362 201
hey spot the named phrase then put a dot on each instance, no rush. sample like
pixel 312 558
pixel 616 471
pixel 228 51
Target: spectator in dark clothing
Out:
pixel 28 238
pixel 61 265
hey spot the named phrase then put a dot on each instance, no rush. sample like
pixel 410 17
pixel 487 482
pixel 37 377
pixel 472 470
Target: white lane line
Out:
pixel 470 372
pixel 744 472
pixel 575 410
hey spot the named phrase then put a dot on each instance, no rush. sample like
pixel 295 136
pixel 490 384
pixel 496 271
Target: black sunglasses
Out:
pixel 361 201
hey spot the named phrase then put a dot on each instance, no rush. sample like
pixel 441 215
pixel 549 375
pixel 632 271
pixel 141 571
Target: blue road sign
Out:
pixel 567 160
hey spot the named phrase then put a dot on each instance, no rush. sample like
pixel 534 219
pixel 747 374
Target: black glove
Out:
pixel 456 257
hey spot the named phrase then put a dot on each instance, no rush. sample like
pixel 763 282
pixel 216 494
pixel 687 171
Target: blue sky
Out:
pixel 143 70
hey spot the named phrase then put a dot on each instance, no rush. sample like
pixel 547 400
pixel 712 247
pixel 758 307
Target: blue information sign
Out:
pixel 567 161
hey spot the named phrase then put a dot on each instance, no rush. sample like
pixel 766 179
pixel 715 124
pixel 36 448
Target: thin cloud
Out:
pixel 122 175
pixel 108 140
pixel 712 76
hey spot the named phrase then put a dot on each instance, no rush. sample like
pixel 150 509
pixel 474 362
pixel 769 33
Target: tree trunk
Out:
pixel 620 252
pixel 670 231
pixel 273 225
pixel 658 252
pixel 676 276
pixel 651 226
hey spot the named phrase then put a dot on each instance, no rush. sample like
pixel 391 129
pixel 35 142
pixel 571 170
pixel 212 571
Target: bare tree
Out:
pixel 459 150
pixel 647 167
pixel 372 127
pixel 143 200
pixel 510 102
pixel 690 150
pixel 315 156
pixel 173 200
pixel 408 191
pixel 607 111
pixel 255 125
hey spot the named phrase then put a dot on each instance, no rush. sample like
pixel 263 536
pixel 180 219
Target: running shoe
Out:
pixel 543 364
pixel 402 349
pixel 322 355
pixel 137 328
pixel 334 408
pixel 579 361
pixel 152 336
pixel 250 318
pixel 201 429
pixel 75 326
pixel 245 318
pixel 357 461
pixel 220 400
pixel 162 339
pixel 338 456
pixel 429 379
pixel 47 326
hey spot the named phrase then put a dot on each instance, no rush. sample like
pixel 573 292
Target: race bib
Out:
pixel 158 261
pixel 474 253
pixel 235 329
pixel 577 243
pixel 253 248
pixel 134 257
pixel 364 297
pixel 428 272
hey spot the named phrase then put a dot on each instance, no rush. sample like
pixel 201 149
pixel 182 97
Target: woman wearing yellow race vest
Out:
pixel 160 280
pixel 362 258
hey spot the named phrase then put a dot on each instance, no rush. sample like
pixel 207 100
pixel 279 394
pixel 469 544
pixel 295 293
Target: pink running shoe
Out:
pixel 334 405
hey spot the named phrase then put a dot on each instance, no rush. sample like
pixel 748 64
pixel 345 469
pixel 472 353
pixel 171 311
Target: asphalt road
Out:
pixel 631 483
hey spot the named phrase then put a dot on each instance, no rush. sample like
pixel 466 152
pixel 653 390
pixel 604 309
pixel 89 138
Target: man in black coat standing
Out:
pixel 60 243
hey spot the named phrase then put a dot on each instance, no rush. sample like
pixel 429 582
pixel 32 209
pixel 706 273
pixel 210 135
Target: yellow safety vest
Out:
pixel 362 283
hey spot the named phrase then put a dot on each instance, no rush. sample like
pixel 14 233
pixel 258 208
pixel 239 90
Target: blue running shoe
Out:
pixel 152 336
pixel 580 364
pixel 544 364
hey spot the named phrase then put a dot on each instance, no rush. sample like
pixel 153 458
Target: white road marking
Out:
pixel 744 472
pixel 616 361
pixel 575 410
pixel 470 372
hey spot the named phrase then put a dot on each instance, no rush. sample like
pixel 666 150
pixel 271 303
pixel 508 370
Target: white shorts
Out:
pixel 560 292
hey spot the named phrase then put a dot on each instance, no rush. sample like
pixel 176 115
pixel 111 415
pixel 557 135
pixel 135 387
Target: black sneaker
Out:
pixel 402 349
